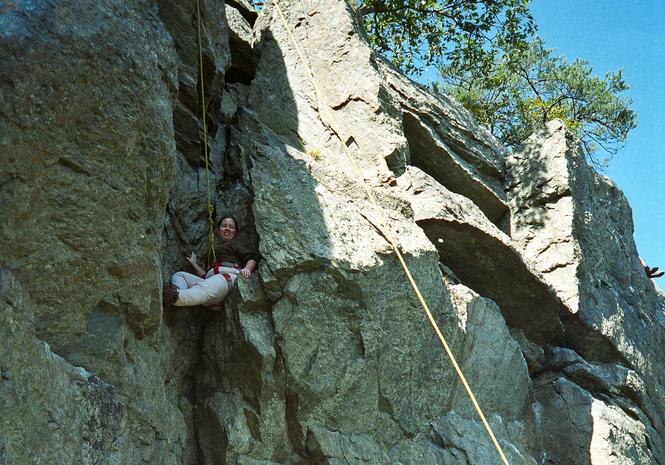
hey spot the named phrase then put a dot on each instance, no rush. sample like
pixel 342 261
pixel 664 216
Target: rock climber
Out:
pixel 236 255
pixel 652 272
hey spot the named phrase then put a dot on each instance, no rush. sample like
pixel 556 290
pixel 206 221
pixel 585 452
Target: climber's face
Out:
pixel 227 229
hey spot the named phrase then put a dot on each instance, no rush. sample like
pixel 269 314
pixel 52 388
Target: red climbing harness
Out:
pixel 216 265
pixel 227 276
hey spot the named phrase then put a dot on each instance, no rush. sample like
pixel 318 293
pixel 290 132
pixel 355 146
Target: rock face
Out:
pixel 446 143
pixel 87 147
pixel 324 355
pixel 576 227
pixel 476 251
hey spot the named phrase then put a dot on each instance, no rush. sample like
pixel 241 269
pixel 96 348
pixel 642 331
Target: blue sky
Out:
pixel 613 34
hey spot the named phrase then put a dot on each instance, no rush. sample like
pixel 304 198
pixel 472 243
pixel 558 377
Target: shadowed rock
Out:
pixel 478 253
pixel 581 429
pixel 445 142
pixel 241 44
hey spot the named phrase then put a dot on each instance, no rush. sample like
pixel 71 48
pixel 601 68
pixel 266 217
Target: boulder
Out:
pixel 319 114
pixel 103 167
pixel 579 428
pixel 37 389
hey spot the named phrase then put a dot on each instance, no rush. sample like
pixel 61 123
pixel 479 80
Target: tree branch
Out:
pixel 383 8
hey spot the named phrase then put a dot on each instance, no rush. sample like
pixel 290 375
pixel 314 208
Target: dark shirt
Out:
pixel 238 250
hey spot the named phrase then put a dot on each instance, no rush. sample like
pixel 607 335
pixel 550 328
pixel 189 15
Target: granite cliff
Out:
pixel 324 356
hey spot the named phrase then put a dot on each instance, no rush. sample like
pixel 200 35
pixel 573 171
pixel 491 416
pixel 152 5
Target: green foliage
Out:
pixel 500 71
pixel 522 90
pixel 418 33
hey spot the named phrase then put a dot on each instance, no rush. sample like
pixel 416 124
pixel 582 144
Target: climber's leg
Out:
pixel 209 291
pixel 184 280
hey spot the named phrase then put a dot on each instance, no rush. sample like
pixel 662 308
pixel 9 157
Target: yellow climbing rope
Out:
pixel 210 208
pixel 329 120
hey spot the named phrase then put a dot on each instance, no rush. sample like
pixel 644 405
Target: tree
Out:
pixel 499 69
pixel 418 33
pixel 522 90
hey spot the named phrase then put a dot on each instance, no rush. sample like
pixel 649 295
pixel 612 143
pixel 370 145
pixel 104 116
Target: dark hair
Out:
pixel 235 222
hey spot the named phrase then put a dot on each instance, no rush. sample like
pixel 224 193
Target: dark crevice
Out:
pixel 485 167
pixel 217 350
pixel 199 365
pixel 72 165
pixel 236 75
pixel 475 257
pixel 294 429
pixel 397 162
pixel 188 331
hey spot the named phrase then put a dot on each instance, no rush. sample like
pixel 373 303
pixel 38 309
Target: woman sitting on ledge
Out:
pixel 210 288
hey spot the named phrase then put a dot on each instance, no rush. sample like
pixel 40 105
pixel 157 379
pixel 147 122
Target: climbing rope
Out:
pixel 329 120
pixel 210 208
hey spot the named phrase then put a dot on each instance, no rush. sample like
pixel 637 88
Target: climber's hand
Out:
pixel 245 272
pixel 192 260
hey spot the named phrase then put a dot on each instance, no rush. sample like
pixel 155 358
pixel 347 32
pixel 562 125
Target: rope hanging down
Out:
pixel 323 109
pixel 210 208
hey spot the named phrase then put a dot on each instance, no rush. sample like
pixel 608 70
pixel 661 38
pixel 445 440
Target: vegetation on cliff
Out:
pixel 490 58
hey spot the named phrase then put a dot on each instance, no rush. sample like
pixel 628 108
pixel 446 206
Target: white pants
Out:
pixel 193 290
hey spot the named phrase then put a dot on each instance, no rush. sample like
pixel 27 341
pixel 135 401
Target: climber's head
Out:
pixel 227 228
